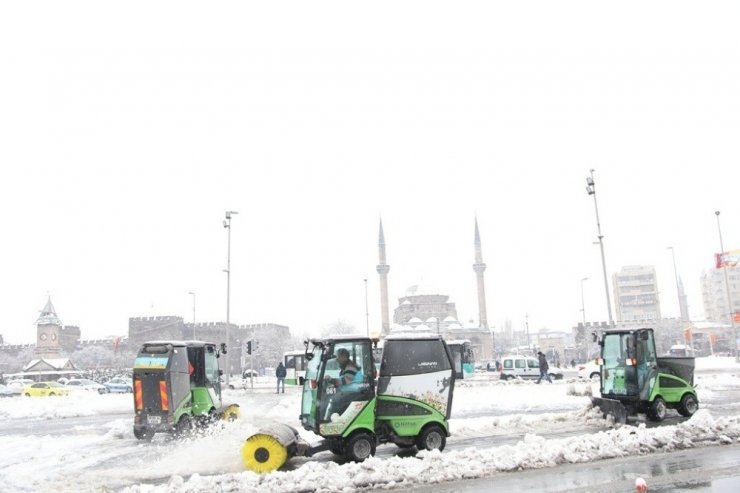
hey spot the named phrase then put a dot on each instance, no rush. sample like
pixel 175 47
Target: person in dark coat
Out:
pixel 543 367
pixel 280 374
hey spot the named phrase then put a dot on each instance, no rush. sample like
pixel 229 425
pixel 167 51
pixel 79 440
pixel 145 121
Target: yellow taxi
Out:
pixel 45 389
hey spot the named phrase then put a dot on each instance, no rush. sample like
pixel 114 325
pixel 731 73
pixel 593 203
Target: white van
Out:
pixel 525 367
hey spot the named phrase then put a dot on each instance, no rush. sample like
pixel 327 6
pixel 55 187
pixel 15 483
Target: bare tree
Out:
pixel 340 327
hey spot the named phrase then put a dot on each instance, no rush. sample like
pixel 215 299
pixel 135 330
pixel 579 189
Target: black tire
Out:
pixel 688 405
pixel 184 426
pixel 143 434
pixel 658 410
pixel 27 394
pixel 51 394
pixel 594 375
pixel 359 447
pixel 432 437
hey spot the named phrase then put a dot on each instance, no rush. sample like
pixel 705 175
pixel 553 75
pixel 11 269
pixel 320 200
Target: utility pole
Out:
pixel 227 225
pixel 190 292
pixel 591 189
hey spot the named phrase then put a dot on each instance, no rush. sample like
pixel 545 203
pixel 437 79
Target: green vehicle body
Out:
pixel 407 402
pixel 176 386
pixel 635 380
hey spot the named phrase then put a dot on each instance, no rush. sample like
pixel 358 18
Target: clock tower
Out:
pixel 48 330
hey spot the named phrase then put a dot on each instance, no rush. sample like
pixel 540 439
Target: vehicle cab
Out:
pixel 338 386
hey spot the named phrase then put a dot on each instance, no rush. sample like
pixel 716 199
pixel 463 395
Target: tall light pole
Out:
pixel 727 286
pixel 190 292
pixel 227 225
pixel 367 316
pixel 583 304
pixel 591 189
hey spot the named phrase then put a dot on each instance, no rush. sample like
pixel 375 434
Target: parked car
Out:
pixel 6 391
pixel 589 370
pixel 45 389
pixel 119 385
pixel 86 384
pixel 19 384
pixel 525 367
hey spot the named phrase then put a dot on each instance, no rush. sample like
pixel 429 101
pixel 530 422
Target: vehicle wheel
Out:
pixel 595 376
pixel 432 437
pixel 657 410
pixel 27 394
pixel 688 405
pixel 359 447
pixel 184 426
pixel 143 434
pixel 51 394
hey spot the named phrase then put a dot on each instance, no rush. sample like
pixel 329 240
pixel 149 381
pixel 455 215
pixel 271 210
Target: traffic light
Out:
pixel 249 347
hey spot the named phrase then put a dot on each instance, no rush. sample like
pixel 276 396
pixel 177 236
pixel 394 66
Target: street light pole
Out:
pixel 227 225
pixel 190 292
pixel 727 286
pixel 591 189
pixel 583 304
pixel 367 315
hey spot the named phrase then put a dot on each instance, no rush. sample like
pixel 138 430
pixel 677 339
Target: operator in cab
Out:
pixel 349 370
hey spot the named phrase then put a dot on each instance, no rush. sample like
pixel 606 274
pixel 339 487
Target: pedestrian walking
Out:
pixel 280 374
pixel 543 367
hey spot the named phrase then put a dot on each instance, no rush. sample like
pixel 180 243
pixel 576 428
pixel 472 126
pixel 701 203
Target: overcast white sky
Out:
pixel 127 130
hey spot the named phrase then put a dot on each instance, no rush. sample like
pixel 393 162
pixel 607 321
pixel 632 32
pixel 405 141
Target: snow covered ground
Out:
pixel 85 442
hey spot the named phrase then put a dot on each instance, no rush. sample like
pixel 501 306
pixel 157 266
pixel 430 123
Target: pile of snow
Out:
pixel 435 467
pixel 79 403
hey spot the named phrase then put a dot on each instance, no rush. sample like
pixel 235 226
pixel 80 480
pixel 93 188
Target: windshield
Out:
pixel 620 358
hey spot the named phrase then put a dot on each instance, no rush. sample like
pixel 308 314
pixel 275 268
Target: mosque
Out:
pixel 433 311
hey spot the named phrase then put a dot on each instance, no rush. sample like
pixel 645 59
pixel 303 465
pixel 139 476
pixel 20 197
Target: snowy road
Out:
pixel 698 471
pixel 73 444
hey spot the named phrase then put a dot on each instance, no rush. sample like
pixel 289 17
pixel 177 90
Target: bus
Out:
pixel 462 357
pixel 295 366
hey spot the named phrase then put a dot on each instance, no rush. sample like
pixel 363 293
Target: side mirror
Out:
pixel 301 381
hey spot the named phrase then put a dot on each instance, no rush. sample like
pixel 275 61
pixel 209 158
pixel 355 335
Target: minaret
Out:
pixel 383 269
pixel 684 306
pixel 479 267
